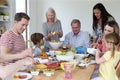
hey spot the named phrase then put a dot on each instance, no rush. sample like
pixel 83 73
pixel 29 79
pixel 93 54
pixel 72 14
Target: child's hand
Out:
pixel 93 45
pixel 97 52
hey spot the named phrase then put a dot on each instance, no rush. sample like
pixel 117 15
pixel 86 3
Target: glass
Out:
pixel 44 54
pixel 73 49
pixel 68 68
pixel 46 49
pixel 52 53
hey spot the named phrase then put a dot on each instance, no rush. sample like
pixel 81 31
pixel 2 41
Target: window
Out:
pixel 22 6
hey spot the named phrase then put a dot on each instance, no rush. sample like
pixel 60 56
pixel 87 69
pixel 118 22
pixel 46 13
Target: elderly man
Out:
pixel 12 40
pixel 76 38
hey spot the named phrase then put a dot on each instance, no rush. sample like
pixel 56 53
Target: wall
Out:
pixel 67 10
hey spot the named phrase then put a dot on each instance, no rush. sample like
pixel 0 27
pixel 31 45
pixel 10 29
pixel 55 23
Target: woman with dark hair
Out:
pixel 100 17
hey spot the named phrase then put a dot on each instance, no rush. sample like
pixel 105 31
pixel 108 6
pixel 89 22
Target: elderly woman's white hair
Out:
pixel 51 10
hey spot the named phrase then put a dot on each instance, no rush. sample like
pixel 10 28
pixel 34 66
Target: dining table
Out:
pixel 78 74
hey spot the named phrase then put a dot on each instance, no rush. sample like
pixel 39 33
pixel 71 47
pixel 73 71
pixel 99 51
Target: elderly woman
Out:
pixel 52 29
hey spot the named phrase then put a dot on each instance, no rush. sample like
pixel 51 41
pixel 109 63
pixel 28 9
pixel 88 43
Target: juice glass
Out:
pixel 68 68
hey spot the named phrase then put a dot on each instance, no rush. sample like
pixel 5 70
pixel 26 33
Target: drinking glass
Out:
pixel 68 68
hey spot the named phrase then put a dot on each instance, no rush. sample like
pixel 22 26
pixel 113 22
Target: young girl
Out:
pixel 110 59
pixel 37 39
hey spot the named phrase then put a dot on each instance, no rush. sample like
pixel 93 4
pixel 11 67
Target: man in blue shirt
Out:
pixel 76 38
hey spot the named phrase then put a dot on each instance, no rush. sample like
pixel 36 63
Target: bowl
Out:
pixel 49 72
pixel 67 56
pixel 55 45
pixel 64 58
pixel 35 71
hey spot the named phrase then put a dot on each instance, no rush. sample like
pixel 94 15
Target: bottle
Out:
pixel 44 54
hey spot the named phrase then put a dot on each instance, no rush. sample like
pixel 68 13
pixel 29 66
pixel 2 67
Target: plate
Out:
pixel 91 62
pixel 91 50
pixel 29 76
pixel 67 56
pixel 39 60
pixel 83 65
pixel 53 65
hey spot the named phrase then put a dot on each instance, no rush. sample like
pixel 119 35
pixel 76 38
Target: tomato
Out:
pixel 15 76
pixel 22 76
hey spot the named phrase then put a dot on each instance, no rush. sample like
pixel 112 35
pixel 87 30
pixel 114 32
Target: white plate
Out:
pixel 91 50
pixel 29 76
pixel 37 60
pixel 83 64
pixel 91 62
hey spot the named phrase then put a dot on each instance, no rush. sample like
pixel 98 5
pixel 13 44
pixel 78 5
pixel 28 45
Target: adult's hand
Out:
pixel 28 61
pixel 27 52
pixel 49 35
pixel 58 33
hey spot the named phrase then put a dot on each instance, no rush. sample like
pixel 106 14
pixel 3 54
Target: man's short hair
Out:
pixel 19 16
pixel 75 21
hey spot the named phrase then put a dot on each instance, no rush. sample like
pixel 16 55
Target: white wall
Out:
pixel 67 10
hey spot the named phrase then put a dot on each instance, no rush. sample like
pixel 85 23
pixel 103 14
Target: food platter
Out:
pixel 22 76
pixel 64 56
pixel 53 65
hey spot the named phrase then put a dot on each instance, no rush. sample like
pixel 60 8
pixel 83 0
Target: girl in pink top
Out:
pixel 110 27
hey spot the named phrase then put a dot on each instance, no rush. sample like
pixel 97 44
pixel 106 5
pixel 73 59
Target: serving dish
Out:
pixel 66 56
pixel 55 45
pixel 49 72
pixel 35 71
pixel 91 50
pixel 22 76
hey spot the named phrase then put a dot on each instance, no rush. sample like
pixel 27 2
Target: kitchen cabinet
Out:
pixel 4 18
pixel 8 8
pixel 4 14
